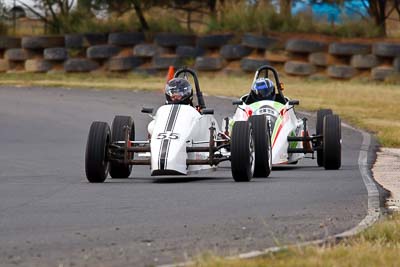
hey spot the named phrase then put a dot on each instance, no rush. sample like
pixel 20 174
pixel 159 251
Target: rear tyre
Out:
pixel 332 142
pixel 262 146
pixel 242 152
pixel 319 129
pixel 120 170
pixel 96 158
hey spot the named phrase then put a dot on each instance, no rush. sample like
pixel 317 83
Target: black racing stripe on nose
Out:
pixel 172 118
pixel 163 156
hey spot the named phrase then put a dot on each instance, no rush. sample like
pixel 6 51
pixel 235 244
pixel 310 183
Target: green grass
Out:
pixel 369 105
pixel 375 247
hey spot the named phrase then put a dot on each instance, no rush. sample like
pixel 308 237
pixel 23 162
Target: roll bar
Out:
pixel 199 94
pixel 268 68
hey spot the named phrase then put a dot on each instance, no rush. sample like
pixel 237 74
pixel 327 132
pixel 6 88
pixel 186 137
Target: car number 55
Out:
pixel 168 135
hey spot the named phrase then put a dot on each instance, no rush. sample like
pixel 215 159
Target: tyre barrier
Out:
pixel 386 49
pixel 396 64
pixel 124 63
pixel 231 52
pixel 258 41
pixel 299 68
pixel 319 59
pixel 166 39
pixel 305 46
pixel 189 51
pixel 121 52
pixel 209 63
pixel 102 51
pixel 85 40
pixel 56 54
pixel 95 39
pixel 9 42
pixel 381 73
pixel 126 38
pixel 80 65
pixel 17 54
pixel 4 65
pixel 349 49
pixel 214 40
pixel 341 71
pixel 37 65
pixel 252 64
pixel 163 62
pixel 276 56
pixel 74 41
pixel 364 61
pixel 147 50
pixel 41 42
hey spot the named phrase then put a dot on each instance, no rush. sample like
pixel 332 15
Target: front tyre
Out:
pixel 332 142
pixel 96 158
pixel 262 146
pixel 242 152
pixel 319 131
pixel 120 170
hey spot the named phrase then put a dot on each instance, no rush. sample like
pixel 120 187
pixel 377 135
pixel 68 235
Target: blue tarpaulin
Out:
pixel 336 13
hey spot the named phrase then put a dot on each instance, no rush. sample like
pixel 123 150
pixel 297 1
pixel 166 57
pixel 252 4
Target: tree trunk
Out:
pixel 286 7
pixel 377 10
pixel 212 4
pixel 139 13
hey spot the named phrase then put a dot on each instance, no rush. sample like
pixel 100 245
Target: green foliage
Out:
pixel 242 17
pixel 80 22
pixel 3 28
pixel 165 24
pixel 351 29
pixel 3 18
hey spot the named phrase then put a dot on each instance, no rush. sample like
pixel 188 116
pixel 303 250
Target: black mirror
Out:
pixel 237 102
pixel 147 110
pixel 207 111
pixel 294 102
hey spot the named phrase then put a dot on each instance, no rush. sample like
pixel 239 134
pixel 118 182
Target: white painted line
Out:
pixel 374 209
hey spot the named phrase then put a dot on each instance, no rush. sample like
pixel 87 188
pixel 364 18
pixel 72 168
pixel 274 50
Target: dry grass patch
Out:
pixel 377 246
pixel 369 105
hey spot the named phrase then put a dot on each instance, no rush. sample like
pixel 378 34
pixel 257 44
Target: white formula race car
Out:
pixel 183 140
pixel 290 137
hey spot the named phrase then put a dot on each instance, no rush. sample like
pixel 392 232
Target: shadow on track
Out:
pixel 177 180
pixel 289 167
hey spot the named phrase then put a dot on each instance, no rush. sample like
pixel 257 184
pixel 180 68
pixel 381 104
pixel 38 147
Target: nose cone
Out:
pixel 173 126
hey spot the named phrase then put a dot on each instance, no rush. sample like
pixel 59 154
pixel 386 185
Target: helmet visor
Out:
pixel 262 89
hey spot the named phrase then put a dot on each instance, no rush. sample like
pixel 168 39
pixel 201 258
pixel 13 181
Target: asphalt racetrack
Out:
pixel 51 216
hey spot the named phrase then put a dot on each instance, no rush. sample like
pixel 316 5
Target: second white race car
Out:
pixel 290 137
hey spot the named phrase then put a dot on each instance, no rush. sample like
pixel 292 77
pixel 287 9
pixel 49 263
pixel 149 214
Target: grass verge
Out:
pixel 377 246
pixel 369 105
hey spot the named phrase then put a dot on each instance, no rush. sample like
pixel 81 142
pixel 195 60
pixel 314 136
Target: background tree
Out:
pixel 52 12
pixel 378 10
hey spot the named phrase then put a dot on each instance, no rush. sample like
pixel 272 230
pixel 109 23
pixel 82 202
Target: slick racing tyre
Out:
pixel 319 128
pixel 242 152
pixel 332 142
pixel 120 170
pixel 262 146
pixel 96 159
